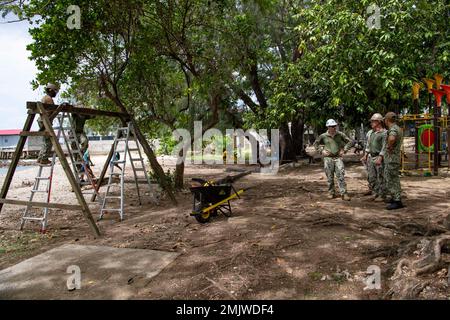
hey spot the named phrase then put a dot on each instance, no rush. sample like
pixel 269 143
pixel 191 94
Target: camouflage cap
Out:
pixel 391 116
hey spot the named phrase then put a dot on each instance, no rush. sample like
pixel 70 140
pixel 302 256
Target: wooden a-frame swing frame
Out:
pixel 48 113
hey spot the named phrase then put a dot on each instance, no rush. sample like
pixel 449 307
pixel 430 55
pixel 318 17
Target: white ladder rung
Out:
pixel 39 191
pixel 33 219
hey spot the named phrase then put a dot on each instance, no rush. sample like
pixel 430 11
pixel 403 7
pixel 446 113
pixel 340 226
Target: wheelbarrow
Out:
pixel 213 197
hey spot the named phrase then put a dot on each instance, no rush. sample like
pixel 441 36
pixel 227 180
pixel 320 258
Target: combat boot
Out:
pixel 395 205
pixel 388 200
pixel 346 197
pixel 331 196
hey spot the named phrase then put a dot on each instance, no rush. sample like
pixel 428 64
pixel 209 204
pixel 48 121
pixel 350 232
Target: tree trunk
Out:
pixel 286 145
pixel 297 133
pixel 179 176
pixel 156 167
pixel 179 171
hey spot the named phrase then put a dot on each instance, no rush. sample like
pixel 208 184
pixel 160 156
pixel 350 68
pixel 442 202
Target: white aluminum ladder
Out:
pixel 122 148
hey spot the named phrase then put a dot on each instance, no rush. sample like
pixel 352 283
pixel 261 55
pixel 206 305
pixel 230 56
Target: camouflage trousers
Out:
pixel 46 150
pixel 375 176
pixel 335 166
pixel 83 143
pixel 392 180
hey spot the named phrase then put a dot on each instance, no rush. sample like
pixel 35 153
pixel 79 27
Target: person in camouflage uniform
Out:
pixel 51 91
pixel 391 154
pixel 79 122
pixel 335 144
pixel 375 173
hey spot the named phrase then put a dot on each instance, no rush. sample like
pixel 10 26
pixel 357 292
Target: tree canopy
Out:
pixel 240 63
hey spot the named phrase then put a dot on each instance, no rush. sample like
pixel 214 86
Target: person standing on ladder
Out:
pixel 375 138
pixel 51 91
pixel 79 121
pixel 335 145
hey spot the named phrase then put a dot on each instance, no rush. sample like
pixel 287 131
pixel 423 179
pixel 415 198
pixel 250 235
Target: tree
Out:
pixel 362 70
pixel 96 55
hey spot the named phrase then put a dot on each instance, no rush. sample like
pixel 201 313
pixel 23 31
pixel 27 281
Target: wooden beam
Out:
pixel 154 163
pixel 103 173
pixel 42 204
pixel 63 160
pixel 15 159
pixel 32 106
pixel 34 134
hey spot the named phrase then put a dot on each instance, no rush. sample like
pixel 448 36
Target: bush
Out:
pixel 170 177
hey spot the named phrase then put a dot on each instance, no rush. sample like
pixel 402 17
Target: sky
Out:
pixel 16 71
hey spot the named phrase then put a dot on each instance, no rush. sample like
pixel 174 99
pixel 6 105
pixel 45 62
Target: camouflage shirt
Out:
pixel 333 144
pixel 395 156
pixel 375 140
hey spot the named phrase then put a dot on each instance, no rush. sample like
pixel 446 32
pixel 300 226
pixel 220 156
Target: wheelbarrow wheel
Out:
pixel 204 217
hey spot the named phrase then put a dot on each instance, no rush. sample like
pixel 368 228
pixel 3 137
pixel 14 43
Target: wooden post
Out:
pixel 448 147
pixel 62 159
pixel 102 175
pixel 154 162
pixel 16 158
pixel 436 142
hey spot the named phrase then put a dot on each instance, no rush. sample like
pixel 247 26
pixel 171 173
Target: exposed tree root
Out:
pixel 406 283
pixel 431 260
pixel 409 228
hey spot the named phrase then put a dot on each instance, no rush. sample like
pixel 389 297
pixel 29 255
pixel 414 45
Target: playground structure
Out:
pixel 48 113
pixel 431 130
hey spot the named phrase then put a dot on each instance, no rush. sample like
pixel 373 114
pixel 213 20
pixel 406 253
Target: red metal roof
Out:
pixel 14 132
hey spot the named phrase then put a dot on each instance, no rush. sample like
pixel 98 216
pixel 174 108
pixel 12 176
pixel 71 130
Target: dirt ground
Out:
pixel 285 240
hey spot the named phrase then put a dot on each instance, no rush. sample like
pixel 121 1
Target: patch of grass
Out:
pixel 339 278
pixel 21 243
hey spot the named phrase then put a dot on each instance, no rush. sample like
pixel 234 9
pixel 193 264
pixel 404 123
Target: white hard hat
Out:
pixel 331 123
pixel 52 86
